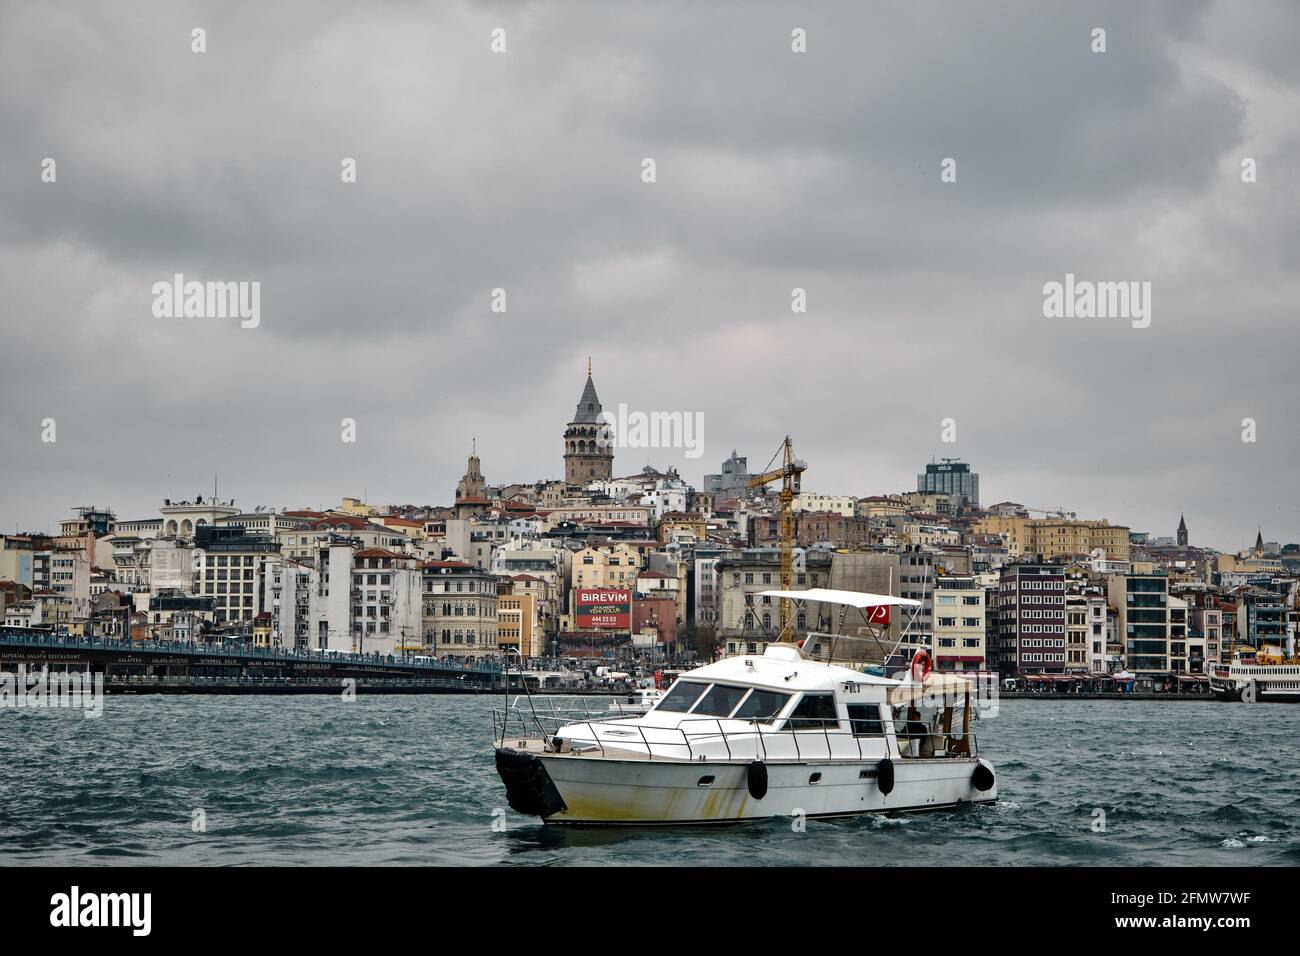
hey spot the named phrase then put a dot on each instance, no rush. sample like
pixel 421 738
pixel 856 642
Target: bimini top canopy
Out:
pixel 858 599
pixel 935 688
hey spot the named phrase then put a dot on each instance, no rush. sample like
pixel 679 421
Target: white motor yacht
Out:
pixel 797 730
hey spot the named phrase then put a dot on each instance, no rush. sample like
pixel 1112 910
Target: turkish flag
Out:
pixel 879 615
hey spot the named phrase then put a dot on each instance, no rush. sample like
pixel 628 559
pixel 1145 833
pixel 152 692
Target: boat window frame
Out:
pixel 824 723
pixel 790 697
pixel 706 685
pixel 747 688
pixel 880 720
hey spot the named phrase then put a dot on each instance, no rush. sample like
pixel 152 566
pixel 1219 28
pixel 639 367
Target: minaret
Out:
pixel 472 484
pixel 1182 532
pixel 588 455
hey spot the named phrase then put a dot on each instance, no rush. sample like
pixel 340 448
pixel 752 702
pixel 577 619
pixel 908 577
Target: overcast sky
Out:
pixel 775 170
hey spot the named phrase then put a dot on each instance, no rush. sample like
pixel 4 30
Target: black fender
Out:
pixel 982 778
pixel 885 776
pixel 529 788
pixel 756 778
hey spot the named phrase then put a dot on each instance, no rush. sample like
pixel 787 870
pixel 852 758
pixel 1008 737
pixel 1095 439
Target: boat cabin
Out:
pixel 781 705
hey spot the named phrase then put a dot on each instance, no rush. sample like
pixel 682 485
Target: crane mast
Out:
pixel 789 475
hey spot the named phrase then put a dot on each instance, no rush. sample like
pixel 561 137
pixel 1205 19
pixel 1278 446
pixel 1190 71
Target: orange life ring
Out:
pixel 923 658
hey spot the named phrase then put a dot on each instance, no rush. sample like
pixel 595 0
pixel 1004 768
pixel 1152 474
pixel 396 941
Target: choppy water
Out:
pixel 410 780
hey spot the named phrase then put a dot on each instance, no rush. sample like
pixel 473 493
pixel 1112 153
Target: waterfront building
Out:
pixel 460 610
pixel 69 579
pixel 292 590
pixel 1207 623
pixel 1141 603
pixel 959 623
pixel 516 622
pixel 1261 617
pixel 179 617
pixel 1031 618
pixel 386 607
pixel 229 566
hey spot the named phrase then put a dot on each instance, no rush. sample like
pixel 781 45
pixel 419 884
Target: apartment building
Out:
pixel 461 614
pixel 1031 618
pixel 959 622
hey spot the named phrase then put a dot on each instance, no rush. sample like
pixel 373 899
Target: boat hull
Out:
pixel 1252 691
pixel 576 789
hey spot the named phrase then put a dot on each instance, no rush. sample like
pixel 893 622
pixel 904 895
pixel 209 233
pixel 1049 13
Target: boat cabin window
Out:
pixel 815 711
pixel 865 719
pixel 720 701
pixel 762 705
pixel 681 698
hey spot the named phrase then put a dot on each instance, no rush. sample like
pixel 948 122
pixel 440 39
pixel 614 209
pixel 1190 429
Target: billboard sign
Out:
pixel 603 609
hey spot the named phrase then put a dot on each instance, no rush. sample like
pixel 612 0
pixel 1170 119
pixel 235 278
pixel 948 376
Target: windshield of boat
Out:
pixel 762 705
pixel 722 700
pixel 681 698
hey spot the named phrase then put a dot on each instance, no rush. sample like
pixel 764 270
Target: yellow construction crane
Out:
pixel 789 472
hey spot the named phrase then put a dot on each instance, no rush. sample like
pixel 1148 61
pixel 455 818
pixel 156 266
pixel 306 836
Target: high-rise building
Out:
pixel 1031 618
pixel 1141 603
pixel 588 452
pixel 951 477
pixel 731 483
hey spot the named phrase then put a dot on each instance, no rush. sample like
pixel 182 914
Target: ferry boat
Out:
pixel 1271 676
pixel 814 729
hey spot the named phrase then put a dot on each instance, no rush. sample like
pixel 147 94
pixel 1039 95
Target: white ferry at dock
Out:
pixel 1270 677
pixel 794 730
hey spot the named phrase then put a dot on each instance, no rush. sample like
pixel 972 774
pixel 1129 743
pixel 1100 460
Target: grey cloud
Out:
pixel 775 171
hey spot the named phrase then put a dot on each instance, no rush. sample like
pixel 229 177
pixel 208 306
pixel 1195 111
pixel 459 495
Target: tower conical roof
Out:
pixel 588 410
pixel 1182 523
